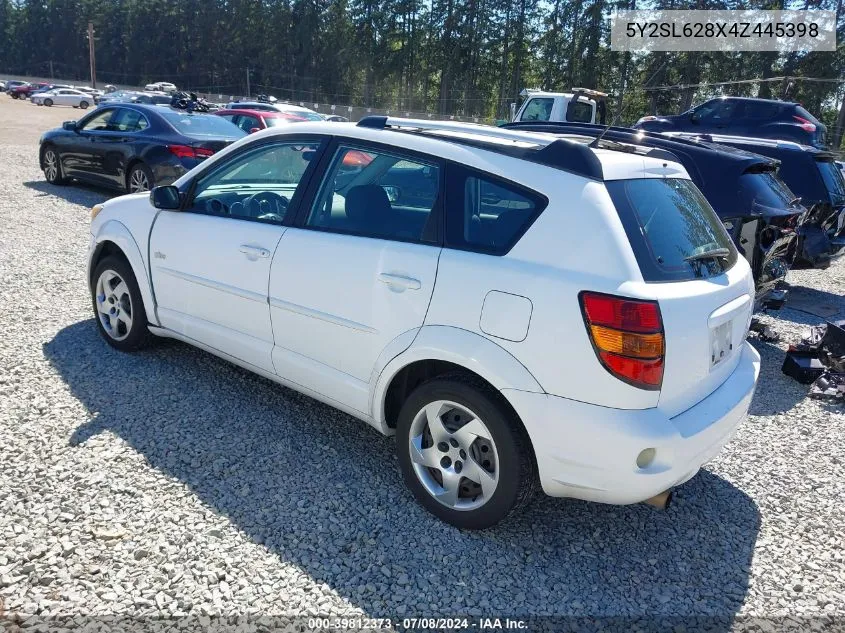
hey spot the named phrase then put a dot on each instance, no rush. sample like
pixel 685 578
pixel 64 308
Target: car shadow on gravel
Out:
pixel 75 193
pixel 322 490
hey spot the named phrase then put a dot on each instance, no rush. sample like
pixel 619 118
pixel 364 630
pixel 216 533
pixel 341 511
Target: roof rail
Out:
pixel 554 152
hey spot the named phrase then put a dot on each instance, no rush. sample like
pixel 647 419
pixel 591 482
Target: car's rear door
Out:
pixel 355 276
pixel 210 262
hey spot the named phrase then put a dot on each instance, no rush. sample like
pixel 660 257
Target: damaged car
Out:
pixel 758 210
pixel 813 176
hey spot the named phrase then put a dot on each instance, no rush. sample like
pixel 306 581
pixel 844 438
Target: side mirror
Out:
pixel 165 197
pixel 70 126
pixel 254 130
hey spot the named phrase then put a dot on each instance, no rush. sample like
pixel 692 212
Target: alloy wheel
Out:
pixel 453 455
pixel 138 181
pixel 51 165
pixel 114 305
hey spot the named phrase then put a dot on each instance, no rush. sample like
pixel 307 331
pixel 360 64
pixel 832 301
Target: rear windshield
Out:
pixel 675 234
pixel 202 125
pixel 833 181
pixel 766 194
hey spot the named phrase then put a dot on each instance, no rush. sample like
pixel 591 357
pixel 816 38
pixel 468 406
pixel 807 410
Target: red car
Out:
pixel 23 92
pixel 255 120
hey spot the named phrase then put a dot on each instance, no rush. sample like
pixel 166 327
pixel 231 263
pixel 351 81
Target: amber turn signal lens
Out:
pixel 627 343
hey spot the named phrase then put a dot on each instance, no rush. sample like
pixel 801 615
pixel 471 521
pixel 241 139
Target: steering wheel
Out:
pixel 267 205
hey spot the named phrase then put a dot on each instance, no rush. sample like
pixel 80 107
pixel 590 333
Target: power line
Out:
pixel 744 81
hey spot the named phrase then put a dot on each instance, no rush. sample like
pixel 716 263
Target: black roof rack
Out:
pixel 562 154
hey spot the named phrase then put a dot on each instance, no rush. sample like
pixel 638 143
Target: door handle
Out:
pixel 254 251
pixel 400 281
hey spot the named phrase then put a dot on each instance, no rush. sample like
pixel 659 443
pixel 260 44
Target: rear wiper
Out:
pixel 716 253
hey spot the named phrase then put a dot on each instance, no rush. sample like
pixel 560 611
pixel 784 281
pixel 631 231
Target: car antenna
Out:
pixel 597 140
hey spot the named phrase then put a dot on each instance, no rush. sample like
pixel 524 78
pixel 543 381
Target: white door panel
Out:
pixel 339 300
pixel 210 278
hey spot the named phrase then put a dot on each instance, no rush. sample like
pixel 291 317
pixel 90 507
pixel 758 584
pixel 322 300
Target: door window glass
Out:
pixel 126 120
pixel 258 185
pixel 247 123
pixel 580 112
pixel 538 109
pixel 99 122
pixel 376 194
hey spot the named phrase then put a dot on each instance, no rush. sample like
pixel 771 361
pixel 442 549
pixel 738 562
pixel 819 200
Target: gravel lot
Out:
pixel 170 482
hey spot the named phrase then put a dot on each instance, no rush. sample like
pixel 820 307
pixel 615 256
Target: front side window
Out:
pixel 98 122
pixel 673 230
pixel 378 194
pixel 538 109
pixel 486 213
pixel 258 184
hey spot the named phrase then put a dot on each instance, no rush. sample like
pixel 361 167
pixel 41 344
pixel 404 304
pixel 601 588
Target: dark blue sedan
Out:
pixel 132 147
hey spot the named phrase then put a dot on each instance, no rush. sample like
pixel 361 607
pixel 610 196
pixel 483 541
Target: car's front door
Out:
pixel 210 263
pixel 118 144
pixel 357 273
pixel 81 154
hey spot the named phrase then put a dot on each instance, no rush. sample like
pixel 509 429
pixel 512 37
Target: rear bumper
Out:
pixel 590 452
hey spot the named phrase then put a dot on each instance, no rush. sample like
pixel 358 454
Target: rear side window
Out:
pixel 486 213
pixel 580 112
pixel 675 234
pixel 761 192
pixel 761 110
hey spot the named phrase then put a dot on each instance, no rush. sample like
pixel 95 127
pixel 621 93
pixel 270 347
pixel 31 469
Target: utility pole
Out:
pixel 248 93
pixel 91 54
pixel 52 76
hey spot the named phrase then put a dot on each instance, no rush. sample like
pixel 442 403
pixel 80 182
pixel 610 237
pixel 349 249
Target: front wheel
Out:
pixel 118 305
pixel 463 452
pixel 48 102
pixel 140 179
pixel 53 167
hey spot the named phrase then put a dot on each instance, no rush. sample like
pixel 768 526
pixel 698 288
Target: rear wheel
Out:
pixel 118 306
pixel 139 179
pixel 48 102
pixel 463 453
pixel 83 105
pixel 53 167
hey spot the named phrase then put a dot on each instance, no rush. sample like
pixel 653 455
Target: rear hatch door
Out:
pixel 704 288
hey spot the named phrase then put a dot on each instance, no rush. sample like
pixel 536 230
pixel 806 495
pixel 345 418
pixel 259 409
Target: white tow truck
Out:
pixel 582 105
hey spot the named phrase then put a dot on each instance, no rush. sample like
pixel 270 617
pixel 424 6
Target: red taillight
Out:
pixel 627 335
pixel 186 151
pixel 804 124
pixel 620 313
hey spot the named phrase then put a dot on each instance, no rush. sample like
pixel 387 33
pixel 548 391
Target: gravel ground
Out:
pixel 170 482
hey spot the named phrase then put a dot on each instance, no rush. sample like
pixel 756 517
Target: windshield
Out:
pixel 672 229
pixel 833 181
pixel 202 125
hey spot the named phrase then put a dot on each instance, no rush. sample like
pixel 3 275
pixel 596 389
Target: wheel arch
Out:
pixel 115 239
pixel 439 350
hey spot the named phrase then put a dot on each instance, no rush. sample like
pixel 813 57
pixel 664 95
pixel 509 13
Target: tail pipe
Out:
pixel 660 501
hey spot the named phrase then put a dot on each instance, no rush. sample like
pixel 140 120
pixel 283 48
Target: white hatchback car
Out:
pixel 518 308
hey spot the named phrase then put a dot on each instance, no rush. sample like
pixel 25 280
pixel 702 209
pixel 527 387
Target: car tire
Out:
pixel 84 105
pixel 52 166
pixel 48 102
pixel 464 453
pixel 137 176
pixel 118 305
